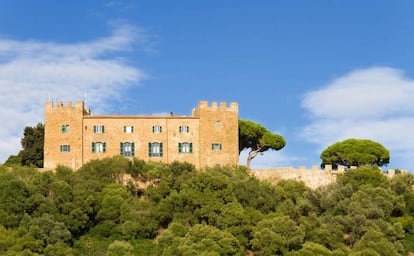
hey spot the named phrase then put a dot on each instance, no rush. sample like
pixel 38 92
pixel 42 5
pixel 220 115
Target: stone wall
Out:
pixel 313 178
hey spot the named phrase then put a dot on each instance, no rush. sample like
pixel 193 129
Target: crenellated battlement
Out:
pixel 58 105
pixel 214 106
pixel 233 106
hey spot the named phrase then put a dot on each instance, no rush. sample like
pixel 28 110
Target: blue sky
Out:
pixel 316 72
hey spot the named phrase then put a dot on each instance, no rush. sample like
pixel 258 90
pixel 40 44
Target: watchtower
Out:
pixel 63 134
pixel 219 133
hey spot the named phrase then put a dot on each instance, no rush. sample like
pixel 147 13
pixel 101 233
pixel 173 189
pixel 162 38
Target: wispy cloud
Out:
pixel 373 103
pixel 32 71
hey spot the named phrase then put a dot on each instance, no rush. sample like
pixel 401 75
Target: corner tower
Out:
pixel 63 134
pixel 219 133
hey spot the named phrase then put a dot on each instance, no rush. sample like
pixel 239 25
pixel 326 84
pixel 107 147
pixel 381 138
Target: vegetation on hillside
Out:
pixel 32 144
pixel 174 209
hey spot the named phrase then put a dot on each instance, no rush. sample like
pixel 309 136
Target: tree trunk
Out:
pixel 252 154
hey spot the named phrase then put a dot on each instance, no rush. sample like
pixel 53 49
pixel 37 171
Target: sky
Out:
pixel 316 72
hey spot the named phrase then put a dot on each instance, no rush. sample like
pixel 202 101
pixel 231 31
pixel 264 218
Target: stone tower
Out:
pixel 63 134
pixel 219 133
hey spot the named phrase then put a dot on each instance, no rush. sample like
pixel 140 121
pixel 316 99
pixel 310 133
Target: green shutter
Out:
pixel 63 128
pixel 93 146
pixel 94 128
pixel 124 129
pixel 133 149
pixel 161 149
pixel 220 146
pixel 149 149
pixel 121 146
pixel 60 148
pixel 179 147
pixel 103 130
pixel 191 147
pixel 104 147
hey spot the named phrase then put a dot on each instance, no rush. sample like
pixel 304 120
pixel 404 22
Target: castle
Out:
pixel 207 138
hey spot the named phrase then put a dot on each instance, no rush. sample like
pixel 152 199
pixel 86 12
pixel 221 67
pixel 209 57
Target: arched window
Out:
pixel 154 149
pixel 127 148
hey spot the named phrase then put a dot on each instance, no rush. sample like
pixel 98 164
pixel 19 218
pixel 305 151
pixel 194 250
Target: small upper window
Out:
pixel 218 123
pixel 128 129
pixel 156 129
pixel 98 129
pixel 64 148
pixel 184 129
pixel 65 128
pixel 216 146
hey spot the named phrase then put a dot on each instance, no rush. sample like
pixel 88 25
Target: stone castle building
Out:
pixel 207 138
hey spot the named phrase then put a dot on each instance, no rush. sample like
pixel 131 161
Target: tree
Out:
pixel 32 143
pixel 120 248
pixel 310 249
pixel 13 193
pixel 377 242
pixel 355 152
pixel 277 236
pixel 13 160
pixel 258 139
pixel 203 239
pixel 365 175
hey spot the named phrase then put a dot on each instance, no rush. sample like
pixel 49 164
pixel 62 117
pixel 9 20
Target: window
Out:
pixel 184 129
pixel 64 148
pixel 154 149
pixel 218 123
pixel 156 129
pixel 185 147
pixel 65 128
pixel 98 147
pixel 98 129
pixel 128 129
pixel 127 149
pixel 216 146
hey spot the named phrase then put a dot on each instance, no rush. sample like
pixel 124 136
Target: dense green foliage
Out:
pixel 174 209
pixel 355 152
pixel 32 152
pixel 257 139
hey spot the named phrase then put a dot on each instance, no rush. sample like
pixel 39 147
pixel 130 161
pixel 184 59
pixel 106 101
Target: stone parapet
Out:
pixel 313 177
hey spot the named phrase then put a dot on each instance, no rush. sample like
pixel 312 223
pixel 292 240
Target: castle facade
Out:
pixel 206 138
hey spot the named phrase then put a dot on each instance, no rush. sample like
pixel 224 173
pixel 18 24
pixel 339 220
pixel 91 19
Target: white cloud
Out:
pixel 31 72
pixel 368 93
pixel 373 103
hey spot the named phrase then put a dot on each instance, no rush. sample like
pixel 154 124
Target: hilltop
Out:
pixel 175 209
